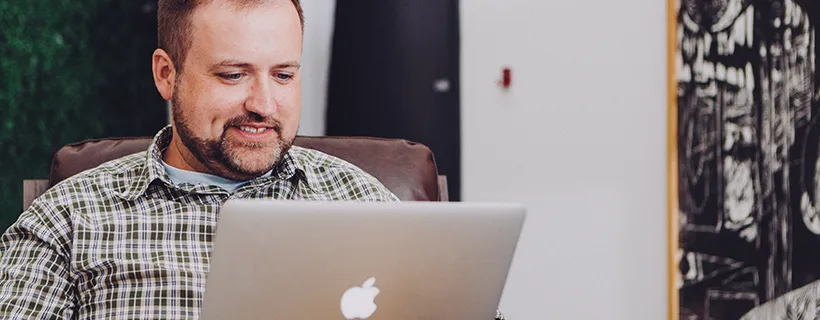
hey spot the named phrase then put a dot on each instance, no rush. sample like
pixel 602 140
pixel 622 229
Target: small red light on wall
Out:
pixel 506 78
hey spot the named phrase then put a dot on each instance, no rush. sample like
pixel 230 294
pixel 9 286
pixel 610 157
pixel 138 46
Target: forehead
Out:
pixel 258 30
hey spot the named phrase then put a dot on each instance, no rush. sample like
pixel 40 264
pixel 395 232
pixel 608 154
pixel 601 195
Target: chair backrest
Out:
pixel 407 168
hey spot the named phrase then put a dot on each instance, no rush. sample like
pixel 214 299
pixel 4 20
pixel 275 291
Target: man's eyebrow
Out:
pixel 245 65
pixel 289 64
pixel 231 63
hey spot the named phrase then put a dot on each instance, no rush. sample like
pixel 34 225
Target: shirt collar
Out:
pixel 152 169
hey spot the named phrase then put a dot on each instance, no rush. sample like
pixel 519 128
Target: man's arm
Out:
pixel 34 266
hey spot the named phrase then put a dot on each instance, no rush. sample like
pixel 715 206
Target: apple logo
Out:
pixel 358 302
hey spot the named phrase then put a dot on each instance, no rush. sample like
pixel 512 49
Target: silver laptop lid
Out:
pixel 354 260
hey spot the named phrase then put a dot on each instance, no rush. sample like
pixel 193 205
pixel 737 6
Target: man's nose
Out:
pixel 261 100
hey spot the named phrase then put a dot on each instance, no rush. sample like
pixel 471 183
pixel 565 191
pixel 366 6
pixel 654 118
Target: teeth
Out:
pixel 252 129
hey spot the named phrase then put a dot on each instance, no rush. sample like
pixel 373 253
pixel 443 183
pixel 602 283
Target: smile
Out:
pixel 253 133
pixel 252 129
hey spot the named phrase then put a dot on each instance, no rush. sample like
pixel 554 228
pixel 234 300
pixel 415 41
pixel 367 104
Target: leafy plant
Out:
pixel 71 70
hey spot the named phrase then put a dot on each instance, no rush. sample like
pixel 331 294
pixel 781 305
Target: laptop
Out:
pixel 289 260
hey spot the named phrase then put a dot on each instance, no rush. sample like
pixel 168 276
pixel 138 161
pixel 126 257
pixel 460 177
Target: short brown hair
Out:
pixel 174 24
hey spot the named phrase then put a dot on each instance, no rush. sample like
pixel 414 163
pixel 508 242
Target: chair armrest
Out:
pixel 31 190
pixel 443 193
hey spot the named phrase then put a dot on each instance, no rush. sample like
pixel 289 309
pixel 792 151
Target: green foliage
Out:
pixel 71 70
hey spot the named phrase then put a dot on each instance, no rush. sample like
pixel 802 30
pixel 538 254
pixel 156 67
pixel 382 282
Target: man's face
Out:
pixel 236 102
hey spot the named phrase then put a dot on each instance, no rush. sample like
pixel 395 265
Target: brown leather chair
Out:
pixel 407 168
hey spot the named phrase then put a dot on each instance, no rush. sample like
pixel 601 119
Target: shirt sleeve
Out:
pixel 34 266
pixel 384 194
pixel 363 186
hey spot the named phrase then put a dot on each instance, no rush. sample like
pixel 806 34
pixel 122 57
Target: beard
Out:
pixel 231 159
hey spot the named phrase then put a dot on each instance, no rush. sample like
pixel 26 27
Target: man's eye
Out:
pixel 231 76
pixel 283 76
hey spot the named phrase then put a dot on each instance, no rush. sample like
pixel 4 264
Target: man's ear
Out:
pixel 164 73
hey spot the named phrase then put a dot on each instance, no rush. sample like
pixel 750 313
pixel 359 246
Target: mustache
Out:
pixel 270 122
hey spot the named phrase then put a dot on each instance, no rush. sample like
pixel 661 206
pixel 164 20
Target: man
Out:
pixel 131 238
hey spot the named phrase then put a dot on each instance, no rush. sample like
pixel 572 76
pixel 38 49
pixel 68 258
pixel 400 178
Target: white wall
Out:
pixel 319 20
pixel 580 139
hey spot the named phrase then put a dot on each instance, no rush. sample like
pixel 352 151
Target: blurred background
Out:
pixel 579 136
pixel 71 70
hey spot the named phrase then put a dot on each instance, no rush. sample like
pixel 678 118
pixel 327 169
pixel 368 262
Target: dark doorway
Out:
pixel 395 73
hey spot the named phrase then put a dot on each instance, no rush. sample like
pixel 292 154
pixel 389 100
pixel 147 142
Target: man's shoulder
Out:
pixel 315 159
pixel 110 176
pixel 325 170
pixel 320 163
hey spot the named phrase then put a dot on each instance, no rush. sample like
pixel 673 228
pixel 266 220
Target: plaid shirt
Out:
pixel 121 241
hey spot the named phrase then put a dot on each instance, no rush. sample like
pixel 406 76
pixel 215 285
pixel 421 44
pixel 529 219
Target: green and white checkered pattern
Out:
pixel 120 241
